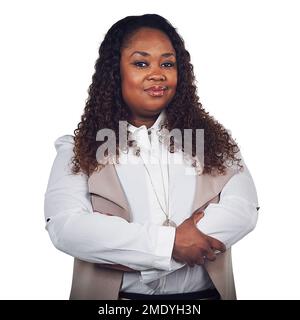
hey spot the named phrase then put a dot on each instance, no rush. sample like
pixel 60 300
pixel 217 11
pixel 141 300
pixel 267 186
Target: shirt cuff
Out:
pixel 148 276
pixel 164 247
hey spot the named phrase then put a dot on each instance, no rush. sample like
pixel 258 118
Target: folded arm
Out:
pixel 227 221
pixel 78 231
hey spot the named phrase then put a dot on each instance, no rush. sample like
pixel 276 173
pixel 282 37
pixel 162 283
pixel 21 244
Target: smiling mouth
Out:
pixel 157 91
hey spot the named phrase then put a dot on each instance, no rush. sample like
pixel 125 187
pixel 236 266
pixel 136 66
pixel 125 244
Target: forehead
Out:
pixel 148 39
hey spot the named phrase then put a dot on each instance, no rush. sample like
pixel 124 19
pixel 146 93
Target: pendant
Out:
pixel 169 223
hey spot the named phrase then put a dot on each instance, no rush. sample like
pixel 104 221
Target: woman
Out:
pixel 151 220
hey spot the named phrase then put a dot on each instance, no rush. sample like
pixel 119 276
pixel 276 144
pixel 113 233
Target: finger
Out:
pixel 216 244
pixel 208 253
pixel 197 216
pixel 191 263
pixel 210 256
pixel 201 261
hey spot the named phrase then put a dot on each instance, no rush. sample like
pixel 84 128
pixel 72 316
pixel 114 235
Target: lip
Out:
pixel 156 88
pixel 156 91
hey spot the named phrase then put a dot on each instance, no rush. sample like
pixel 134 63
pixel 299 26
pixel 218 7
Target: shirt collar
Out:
pixel 142 135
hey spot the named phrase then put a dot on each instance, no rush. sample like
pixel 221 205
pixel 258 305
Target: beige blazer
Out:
pixel 93 282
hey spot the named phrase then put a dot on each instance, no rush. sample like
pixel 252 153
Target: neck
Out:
pixel 138 121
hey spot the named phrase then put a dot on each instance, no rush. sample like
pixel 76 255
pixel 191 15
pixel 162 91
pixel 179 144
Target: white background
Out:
pixel 246 59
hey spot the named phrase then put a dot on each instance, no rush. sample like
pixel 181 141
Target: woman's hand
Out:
pixel 191 246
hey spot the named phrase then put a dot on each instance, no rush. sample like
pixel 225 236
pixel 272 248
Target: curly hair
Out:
pixel 105 106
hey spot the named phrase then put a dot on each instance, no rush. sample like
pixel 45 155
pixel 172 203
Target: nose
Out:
pixel 157 77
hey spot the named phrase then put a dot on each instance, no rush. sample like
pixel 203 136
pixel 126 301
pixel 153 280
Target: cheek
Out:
pixel 131 81
pixel 132 90
pixel 175 78
pixel 174 83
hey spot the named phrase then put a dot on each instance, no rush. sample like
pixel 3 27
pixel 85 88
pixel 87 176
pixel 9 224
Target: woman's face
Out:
pixel 148 72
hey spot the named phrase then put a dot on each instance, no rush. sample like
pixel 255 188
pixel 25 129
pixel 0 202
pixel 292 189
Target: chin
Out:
pixel 154 109
pixel 155 105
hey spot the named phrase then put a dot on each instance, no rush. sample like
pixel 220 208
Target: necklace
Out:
pixel 168 221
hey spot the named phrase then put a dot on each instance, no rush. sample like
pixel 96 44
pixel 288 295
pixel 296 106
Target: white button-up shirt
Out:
pixel 144 244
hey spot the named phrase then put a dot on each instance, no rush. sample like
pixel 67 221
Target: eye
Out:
pixel 140 64
pixel 169 64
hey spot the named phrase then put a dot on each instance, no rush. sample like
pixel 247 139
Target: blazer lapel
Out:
pixel 106 184
pixel 208 187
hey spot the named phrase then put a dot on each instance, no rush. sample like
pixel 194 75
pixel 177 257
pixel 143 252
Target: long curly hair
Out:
pixel 105 106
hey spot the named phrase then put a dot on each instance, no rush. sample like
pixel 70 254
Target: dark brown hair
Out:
pixel 105 106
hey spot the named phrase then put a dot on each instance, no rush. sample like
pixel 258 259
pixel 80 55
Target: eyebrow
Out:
pixel 145 54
